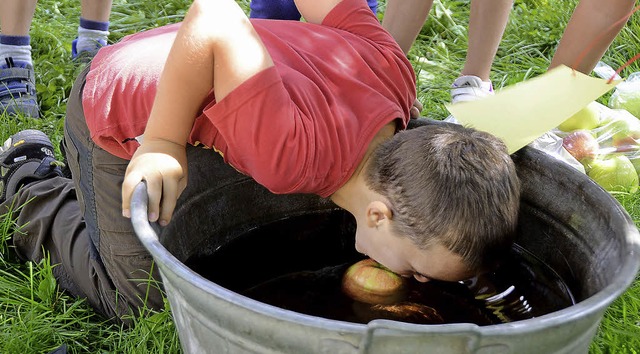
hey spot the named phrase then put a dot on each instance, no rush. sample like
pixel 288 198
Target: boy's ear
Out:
pixel 378 213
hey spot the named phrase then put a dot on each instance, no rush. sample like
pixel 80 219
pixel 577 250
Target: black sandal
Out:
pixel 26 157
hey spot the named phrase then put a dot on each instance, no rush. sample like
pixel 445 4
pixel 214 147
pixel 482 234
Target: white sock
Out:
pixel 21 53
pixel 89 39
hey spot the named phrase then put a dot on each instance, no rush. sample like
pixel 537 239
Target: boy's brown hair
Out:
pixel 451 185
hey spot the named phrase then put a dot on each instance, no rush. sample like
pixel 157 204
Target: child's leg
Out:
pixel 116 281
pixel 93 31
pixel 487 22
pixel 274 9
pixel 52 221
pixel 590 19
pixel 404 20
pixel 96 10
pixel 96 254
pixel 17 79
pixel 16 16
pixel 15 22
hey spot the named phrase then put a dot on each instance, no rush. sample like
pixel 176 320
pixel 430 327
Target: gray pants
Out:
pixel 79 223
pixel 97 254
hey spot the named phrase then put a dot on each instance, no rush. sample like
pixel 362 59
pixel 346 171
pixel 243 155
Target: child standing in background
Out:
pixel 17 77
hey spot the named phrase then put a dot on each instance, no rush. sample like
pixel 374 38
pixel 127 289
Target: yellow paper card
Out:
pixel 521 113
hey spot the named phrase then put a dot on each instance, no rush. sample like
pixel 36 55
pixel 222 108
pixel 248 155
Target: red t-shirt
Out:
pixel 301 126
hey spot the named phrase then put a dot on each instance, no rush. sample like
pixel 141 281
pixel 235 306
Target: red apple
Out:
pixel 370 282
pixel 582 145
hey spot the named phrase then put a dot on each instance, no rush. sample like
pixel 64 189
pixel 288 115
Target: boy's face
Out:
pixel 403 257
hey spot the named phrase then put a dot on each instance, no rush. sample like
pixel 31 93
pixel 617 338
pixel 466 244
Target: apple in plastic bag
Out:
pixel 370 282
pixel 625 133
pixel 627 144
pixel 626 136
pixel 615 173
pixel 586 118
pixel 627 95
pixel 619 129
pixel 635 160
pixel 627 100
pixel 582 145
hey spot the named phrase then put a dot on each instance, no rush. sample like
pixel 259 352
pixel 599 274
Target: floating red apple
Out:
pixel 370 282
pixel 582 145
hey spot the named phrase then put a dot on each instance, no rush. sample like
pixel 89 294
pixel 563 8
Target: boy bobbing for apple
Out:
pixel 288 104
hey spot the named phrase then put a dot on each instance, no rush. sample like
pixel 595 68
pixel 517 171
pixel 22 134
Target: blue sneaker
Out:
pixel 18 89
pixel 85 56
pixel 26 157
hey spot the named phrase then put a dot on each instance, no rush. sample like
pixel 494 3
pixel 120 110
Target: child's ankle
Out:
pixel 92 35
pixel 16 47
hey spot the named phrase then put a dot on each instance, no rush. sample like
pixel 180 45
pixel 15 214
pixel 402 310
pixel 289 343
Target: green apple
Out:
pixel 635 160
pixel 622 132
pixel 615 173
pixel 586 118
pixel 627 97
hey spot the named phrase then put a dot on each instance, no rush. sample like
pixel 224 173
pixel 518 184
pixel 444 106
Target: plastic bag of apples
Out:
pixel 606 144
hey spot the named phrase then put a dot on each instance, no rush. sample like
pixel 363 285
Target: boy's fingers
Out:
pixel 416 109
pixel 129 183
pixel 414 113
pixel 154 191
pixel 418 105
pixel 169 198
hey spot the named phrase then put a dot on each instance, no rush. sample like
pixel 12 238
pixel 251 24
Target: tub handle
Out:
pixel 140 220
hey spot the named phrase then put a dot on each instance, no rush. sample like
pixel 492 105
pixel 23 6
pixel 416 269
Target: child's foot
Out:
pixel 84 55
pixel 18 89
pixel 26 157
pixel 469 88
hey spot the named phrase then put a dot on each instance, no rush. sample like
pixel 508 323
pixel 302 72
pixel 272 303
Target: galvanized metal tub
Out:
pixel 566 220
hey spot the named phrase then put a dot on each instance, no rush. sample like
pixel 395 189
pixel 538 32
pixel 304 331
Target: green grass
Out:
pixel 35 317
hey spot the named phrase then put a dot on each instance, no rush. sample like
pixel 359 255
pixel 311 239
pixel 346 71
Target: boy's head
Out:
pixel 452 195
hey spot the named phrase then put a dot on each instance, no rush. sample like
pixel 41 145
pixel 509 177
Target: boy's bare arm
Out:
pixel 314 11
pixel 216 47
